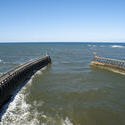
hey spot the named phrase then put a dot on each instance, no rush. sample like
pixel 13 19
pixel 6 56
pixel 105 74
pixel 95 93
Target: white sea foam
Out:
pixel 117 46
pixel 44 68
pixel 92 45
pixel 89 45
pixel 0 60
pixel 65 62
pixel 122 73
pixel 102 46
pixel 66 122
pixel 19 111
pixel 39 72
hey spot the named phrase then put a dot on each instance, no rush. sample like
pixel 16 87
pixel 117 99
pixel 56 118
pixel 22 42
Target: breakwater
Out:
pixel 12 79
pixel 115 65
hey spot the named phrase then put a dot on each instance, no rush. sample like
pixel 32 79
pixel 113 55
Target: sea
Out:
pixel 69 91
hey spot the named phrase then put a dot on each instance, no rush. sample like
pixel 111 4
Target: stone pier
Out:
pixel 12 79
pixel 108 63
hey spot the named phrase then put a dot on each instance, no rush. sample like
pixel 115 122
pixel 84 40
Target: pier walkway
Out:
pixel 10 80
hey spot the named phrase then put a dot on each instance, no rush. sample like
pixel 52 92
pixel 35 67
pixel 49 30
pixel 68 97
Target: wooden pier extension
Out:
pixel 115 65
pixel 12 79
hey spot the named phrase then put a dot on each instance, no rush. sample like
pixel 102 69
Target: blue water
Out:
pixel 69 92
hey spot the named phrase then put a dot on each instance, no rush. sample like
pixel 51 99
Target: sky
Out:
pixel 62 20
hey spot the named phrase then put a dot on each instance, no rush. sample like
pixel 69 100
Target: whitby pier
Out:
pixel 115 65
pixel 12 79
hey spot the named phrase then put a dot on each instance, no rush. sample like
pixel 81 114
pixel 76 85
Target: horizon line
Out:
pixel 60 42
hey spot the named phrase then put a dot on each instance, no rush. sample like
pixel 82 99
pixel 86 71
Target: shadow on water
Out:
pixel 5 106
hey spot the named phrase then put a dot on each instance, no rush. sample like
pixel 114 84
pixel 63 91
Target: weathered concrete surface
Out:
pixel 12 79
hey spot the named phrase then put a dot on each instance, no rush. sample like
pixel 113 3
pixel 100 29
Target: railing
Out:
pixel 18 69
pixel 109 61
pixel 10 80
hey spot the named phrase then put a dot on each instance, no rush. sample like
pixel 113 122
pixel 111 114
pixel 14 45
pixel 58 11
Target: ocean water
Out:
pixel 69 91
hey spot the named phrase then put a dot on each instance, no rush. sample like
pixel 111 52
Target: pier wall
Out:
pixel 108 63
pixel 12 79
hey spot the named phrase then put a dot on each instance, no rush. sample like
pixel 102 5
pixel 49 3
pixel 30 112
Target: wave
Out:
pixel 44 68
pixel 19 111
pixel 66 122
pixel 65 62
pixel 39 72
pixel 89 45
pixel 92 45
pixel 0 60
pixel 117 46
pixel 122 73
pixel 102 46
pixel 22 113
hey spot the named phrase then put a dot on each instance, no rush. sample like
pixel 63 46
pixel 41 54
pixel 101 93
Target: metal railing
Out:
pixel 109 61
